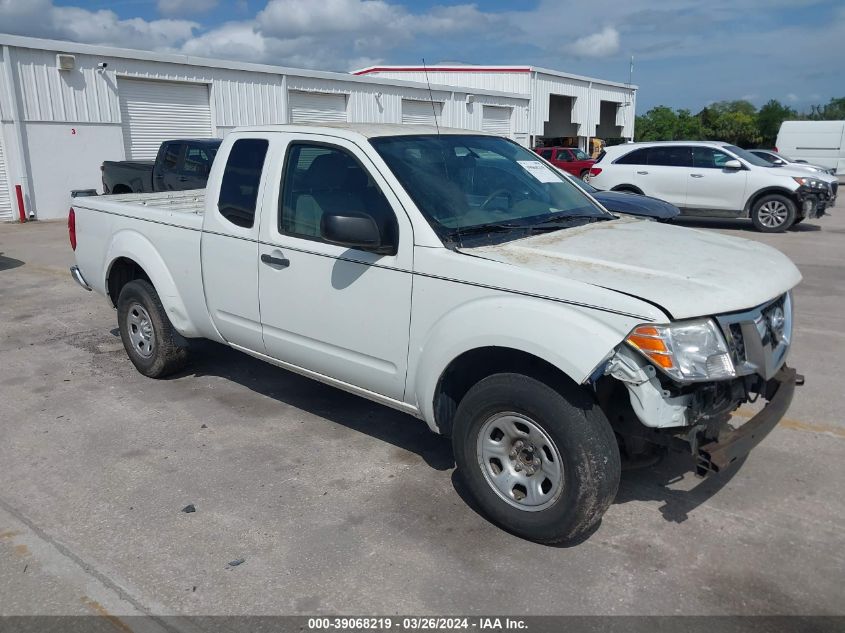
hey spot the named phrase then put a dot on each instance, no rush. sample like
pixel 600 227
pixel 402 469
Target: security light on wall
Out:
pixel 470 98
pixel 65 61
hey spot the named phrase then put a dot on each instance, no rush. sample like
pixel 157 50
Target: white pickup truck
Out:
pixel 457 277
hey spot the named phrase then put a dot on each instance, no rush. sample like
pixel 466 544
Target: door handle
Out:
pixel 643 173
pixel 697 175
pixel 182 179
pixel 281 262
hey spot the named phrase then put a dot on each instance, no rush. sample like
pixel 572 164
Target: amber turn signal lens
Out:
pixel 647 339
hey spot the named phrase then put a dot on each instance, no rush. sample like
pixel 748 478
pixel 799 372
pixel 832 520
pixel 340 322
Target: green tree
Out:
pixel 689 127
pixel 658 124
pixel 769 119
pixel 834 110
pixel 731 121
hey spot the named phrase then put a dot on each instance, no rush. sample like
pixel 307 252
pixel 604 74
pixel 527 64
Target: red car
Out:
pixel 570 159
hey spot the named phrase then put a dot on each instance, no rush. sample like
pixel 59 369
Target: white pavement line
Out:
pixel 98 592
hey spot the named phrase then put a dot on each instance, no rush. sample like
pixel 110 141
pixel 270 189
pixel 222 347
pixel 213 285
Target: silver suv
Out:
pixel 708 178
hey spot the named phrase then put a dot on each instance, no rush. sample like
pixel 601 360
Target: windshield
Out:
pixel 747 156
pixel 465 184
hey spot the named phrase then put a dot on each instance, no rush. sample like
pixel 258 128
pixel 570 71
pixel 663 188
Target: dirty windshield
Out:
pixel 484 189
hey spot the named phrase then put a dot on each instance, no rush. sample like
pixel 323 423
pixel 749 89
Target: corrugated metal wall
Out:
pixel 5 93
pixel 514 82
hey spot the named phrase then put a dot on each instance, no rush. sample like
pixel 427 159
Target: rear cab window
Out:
pixel 170 160
pixel 197 161
pixel 241 180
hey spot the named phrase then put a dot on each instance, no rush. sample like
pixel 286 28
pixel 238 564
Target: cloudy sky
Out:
pixel 687 52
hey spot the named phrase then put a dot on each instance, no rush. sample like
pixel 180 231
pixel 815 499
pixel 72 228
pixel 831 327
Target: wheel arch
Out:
pixel 626 188
pixel 755 197
pixel 479 363
pixel 553 342
pixel 132 256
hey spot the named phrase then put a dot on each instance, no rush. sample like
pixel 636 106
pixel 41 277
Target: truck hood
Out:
pixel 686 272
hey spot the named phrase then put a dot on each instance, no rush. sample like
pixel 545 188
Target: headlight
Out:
pixel 809 182
pixel 688 351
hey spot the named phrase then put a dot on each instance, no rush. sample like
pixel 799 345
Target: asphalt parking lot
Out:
pixel 341 506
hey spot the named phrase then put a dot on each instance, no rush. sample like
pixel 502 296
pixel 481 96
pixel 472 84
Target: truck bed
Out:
pixel 178 208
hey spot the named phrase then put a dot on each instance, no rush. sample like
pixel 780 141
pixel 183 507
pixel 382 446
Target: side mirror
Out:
pixel 780 161
pixel 355 230
pixel 732 164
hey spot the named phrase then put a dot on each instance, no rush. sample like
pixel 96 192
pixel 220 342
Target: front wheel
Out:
pixel 542 463
pixel 773 213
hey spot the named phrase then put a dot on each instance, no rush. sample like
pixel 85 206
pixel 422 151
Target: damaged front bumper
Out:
pixel 717 454
pixel 814 201
pixel 693 420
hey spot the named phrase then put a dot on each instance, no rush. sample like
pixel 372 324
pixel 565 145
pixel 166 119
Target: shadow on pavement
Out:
pixel 356 413
pixel 653 484
pixel 7 263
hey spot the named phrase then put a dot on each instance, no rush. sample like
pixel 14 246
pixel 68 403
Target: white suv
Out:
pixel 707 178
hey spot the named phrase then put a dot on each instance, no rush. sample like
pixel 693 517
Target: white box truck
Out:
pixel 818 142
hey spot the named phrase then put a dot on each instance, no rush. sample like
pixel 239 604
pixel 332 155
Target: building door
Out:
pixel 496 120
pixel 156 111
pixel 5 190
pixel 421 112
pixel 317 107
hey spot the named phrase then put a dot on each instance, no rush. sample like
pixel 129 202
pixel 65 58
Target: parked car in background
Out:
pixel 458 278
pixel 570 159
pixel 631 203
pixel 776 158
pixel 710 178
pixel 179 165
pixel 817 142
pixel 825 174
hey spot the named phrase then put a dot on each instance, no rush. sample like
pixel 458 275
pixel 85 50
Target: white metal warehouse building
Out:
pixel 67 107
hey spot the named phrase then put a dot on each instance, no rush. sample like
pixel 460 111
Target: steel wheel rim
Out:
pixel 773 213
pixel 140 328
pixel 520 462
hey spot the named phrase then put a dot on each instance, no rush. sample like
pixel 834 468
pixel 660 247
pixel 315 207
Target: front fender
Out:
pixel 133 245
pixel 571 338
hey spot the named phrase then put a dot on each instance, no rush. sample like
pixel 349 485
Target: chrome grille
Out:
pixel 759 339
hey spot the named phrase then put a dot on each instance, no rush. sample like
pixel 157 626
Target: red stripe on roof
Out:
pixel 448 69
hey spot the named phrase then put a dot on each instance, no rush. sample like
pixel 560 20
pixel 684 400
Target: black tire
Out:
pixel 799 220
pixel 584 174
pixel 773 213
pixel 166 351
pixel 582 437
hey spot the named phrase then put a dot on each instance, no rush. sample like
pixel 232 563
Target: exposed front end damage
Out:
pixel 648 408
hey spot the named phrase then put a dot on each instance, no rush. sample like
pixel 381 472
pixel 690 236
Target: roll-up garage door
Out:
pixel 497 120
pixel 5 190
pixel 421 112
pixel 317 107
pixel 155 111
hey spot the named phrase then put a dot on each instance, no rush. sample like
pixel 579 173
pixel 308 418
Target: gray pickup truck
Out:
pixel 180 164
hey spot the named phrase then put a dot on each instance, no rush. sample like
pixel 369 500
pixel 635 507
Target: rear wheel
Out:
pixel 773 213
pixel 540 462
pixel 585 174
pixel 151 342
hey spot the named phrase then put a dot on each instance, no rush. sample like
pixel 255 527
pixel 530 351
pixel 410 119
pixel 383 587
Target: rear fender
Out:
pixel 132 245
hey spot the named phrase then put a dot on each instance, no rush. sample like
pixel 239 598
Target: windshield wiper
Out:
pixel 567 219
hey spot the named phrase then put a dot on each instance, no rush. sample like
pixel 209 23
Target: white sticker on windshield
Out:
pixel 539 171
